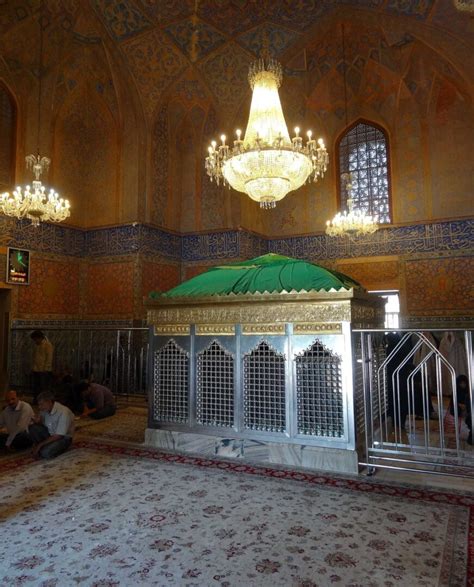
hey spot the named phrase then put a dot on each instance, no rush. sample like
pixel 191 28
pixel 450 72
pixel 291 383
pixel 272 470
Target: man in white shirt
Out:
pixel 14 422
pixel 54 428
pixel 42 363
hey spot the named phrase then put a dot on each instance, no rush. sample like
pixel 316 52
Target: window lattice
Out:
pixel 264 389
pixel 319 392
pixel 171 376
pixel 363 154
pixel 215 386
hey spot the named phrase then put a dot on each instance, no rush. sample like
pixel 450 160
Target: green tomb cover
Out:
pixel 269 273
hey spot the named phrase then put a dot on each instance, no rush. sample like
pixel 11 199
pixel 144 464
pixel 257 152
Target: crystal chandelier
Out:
pixel 34 202
pixel 350 222
pixel 464 5
pixel 266 164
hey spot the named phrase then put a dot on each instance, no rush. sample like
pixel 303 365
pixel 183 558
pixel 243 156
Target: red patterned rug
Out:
pixel 104 515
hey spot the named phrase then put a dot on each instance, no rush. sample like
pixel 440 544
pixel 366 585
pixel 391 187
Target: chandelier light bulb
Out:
pixel 238 132
pixel 267 164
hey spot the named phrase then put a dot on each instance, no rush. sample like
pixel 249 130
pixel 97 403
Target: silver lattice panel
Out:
pixel 215 386
pixel 319 392
pixel 171 378
pixel 264 390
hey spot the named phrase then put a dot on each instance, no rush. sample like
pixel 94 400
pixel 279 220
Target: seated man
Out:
pixel 52 434
pixel 15 419
pixel 99 400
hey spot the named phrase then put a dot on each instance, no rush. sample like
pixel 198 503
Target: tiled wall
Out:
pixel 106 274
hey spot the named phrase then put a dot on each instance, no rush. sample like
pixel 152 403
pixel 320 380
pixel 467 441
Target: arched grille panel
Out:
pixel 215 386
pixel 264 390
pixel 171 377
pixel 319 392
pixel 363 153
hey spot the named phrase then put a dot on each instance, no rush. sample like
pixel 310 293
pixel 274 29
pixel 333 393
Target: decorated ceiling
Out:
pixel 200 49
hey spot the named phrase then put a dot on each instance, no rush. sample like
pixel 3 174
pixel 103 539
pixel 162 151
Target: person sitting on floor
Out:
pixel 54 428
pixel 14 420
pixel 463 403
pixel 99 400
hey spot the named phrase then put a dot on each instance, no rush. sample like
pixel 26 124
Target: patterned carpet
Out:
pixel 128 425
pixel 104 515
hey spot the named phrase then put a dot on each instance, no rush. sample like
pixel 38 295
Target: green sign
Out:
pixel 18 266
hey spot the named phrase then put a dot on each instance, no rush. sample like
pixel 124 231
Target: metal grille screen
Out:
pixel 264 390
pixel 363 154
pixel 171 377
pixel 215 386
pixel 319 392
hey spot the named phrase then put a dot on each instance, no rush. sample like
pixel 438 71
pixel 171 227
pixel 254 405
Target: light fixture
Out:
pixel 464 5
pixel 266 164
pixel 34 202
pixel 350 222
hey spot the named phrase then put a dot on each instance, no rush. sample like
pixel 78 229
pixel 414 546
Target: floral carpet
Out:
pixel 128 425
pixel 104 515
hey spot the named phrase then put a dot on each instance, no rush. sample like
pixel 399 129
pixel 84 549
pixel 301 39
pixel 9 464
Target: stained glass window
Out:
pixel 7 139
pixel 363 153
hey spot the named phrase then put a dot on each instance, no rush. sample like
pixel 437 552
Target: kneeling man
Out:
pixel 99 400
pixel 53 432
pixel 14 420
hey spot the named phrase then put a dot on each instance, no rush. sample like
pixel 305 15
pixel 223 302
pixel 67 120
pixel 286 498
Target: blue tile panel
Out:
pixel 421 238
pixel 439 237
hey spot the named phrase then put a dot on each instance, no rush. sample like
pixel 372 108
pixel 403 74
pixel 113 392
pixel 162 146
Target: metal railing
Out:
pixel 115 357
pixel 412 410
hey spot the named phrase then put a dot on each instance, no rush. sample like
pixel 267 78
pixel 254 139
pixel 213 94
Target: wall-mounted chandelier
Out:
pixel 350 222
pixel 34 202
pixel 266 164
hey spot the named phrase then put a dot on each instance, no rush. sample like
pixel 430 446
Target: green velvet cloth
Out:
pixel 269 273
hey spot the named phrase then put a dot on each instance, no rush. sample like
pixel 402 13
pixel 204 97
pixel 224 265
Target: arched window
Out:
pixel 363 153
pixel 7 139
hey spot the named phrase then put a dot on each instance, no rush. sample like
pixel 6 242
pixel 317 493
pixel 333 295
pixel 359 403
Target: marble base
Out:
pixel 297 455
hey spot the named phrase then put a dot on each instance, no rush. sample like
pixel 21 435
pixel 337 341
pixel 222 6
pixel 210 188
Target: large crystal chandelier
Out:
pixel 350 222
pixel 34 202
pixel 266 164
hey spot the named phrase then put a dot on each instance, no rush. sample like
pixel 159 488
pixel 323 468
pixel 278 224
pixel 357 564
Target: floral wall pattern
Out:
pixel 109 289
pixel 127 83
pixel 440 286
pixel 54 288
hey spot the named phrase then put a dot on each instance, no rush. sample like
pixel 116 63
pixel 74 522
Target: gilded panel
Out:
pixel 255 312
